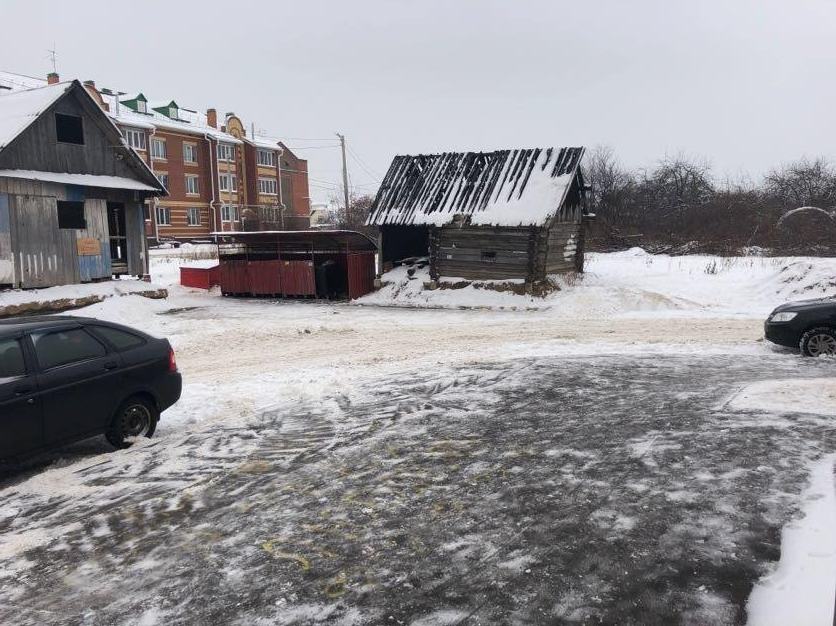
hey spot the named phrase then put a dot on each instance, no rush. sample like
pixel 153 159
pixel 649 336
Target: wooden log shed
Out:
pixel 504 215
pixel 71 191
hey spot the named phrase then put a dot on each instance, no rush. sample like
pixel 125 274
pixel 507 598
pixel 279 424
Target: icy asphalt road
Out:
pixel 614 489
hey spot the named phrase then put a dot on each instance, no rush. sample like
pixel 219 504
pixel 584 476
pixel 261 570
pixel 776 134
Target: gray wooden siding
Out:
pixel 41 254
pixel 137 244
pixel 37 148
pixel 462 252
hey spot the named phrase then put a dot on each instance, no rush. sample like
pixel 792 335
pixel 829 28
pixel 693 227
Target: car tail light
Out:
pixel 172 361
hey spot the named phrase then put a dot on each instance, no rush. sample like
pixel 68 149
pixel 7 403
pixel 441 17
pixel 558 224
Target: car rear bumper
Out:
pixel 169 390
pixel 782 333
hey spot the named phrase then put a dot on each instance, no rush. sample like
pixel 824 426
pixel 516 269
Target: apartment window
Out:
pixel 163 216
pixel 193 216
pixel 267 157
pixel 71 215
pixel 141 106
pixel 163 178
pixel 226 152
pixel 173 113
pixel 228 182
pixel 158 149
pixel 229 213
pixel 189 153
pixel 267 186
pixel 69 128
pixel 135 138
pixel 191 185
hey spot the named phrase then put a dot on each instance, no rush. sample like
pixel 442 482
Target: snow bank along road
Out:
pixel 344 464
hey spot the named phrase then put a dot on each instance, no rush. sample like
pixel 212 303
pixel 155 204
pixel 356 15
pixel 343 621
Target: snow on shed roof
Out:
pixel 19 109
pixel 83 180
pixel 521 187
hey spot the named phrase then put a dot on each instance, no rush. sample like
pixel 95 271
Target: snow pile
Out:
pixel 801 589
pixel 403 287
pixel 52 299
pixel 634 283
pixel 814 395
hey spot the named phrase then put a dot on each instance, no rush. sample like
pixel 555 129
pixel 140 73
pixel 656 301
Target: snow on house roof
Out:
pixel 503 188
pixel 15 82
pixel 264 142
pixel 82 180
pixel 190 122
pixel 19 109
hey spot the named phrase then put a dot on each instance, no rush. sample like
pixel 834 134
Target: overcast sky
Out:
pixel 747 84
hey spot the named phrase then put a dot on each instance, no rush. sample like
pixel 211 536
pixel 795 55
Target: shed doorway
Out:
pixel 116 226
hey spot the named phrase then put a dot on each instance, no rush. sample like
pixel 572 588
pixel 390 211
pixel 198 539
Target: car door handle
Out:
pixel 111 365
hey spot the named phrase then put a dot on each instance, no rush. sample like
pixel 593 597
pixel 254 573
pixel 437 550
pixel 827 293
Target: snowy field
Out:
pixel 626 450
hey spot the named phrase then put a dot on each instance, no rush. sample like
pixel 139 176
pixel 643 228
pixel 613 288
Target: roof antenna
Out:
pixel 52 57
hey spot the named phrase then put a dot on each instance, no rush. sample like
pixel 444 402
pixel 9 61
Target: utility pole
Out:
pixel 345 173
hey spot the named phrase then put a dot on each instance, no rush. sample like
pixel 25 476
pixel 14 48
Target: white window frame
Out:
pixel 141 106
pixel 270 160
pixel 164 183
pixel 173 113
pixel 134 137
pixel 229 213
pixel 193 216
pixel 192 150
pixel 195 178
pixel 155 143
pixel 228 183
pixel 226 152
pixel 268 186
pixel 165 211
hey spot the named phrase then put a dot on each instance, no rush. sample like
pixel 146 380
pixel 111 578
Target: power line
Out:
pixel 362 164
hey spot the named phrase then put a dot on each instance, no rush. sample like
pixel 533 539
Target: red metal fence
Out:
pixel 361 273
pixel 267 278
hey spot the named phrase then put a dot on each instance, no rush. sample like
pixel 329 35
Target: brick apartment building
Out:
pixel 218 178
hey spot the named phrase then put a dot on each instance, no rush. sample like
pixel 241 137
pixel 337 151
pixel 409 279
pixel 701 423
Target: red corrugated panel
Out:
pixel 234 277
pixel 298 278
pixel 265 278
pixel 200 277
pixel 361 273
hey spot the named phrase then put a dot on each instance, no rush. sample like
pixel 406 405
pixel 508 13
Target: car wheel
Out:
pixel 136 417
pixel 818 341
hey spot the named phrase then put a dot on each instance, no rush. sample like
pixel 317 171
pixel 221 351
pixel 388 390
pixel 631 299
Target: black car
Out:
pixel 63 379
pixel 809 325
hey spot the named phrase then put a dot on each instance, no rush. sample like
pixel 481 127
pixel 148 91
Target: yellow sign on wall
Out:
pixel 88 246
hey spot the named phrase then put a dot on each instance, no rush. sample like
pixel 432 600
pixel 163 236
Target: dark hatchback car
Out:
pixel 809 325
pixel 63 379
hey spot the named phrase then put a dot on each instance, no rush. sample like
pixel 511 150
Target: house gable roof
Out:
pixel 20 109
pixel 521 187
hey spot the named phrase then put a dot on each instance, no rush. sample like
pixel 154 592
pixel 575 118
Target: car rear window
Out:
pixel 119 339
pixel 11 360
pixel 66 346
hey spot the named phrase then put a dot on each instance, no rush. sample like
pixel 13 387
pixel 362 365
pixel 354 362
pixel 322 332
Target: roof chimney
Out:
pixel 52 78
pixel 212 118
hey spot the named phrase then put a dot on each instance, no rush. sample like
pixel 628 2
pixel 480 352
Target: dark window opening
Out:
pixel 69 128
pixel 488 256
pixel 119 339
pixel 71 215
pixel 11 360
pixel 65 347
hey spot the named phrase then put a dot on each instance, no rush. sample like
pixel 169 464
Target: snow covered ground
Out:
pixel 637 284
pixel 252 364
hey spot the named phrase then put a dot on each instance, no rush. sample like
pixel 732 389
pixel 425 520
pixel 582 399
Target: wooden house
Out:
pixel 71 191
pixel 509 214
